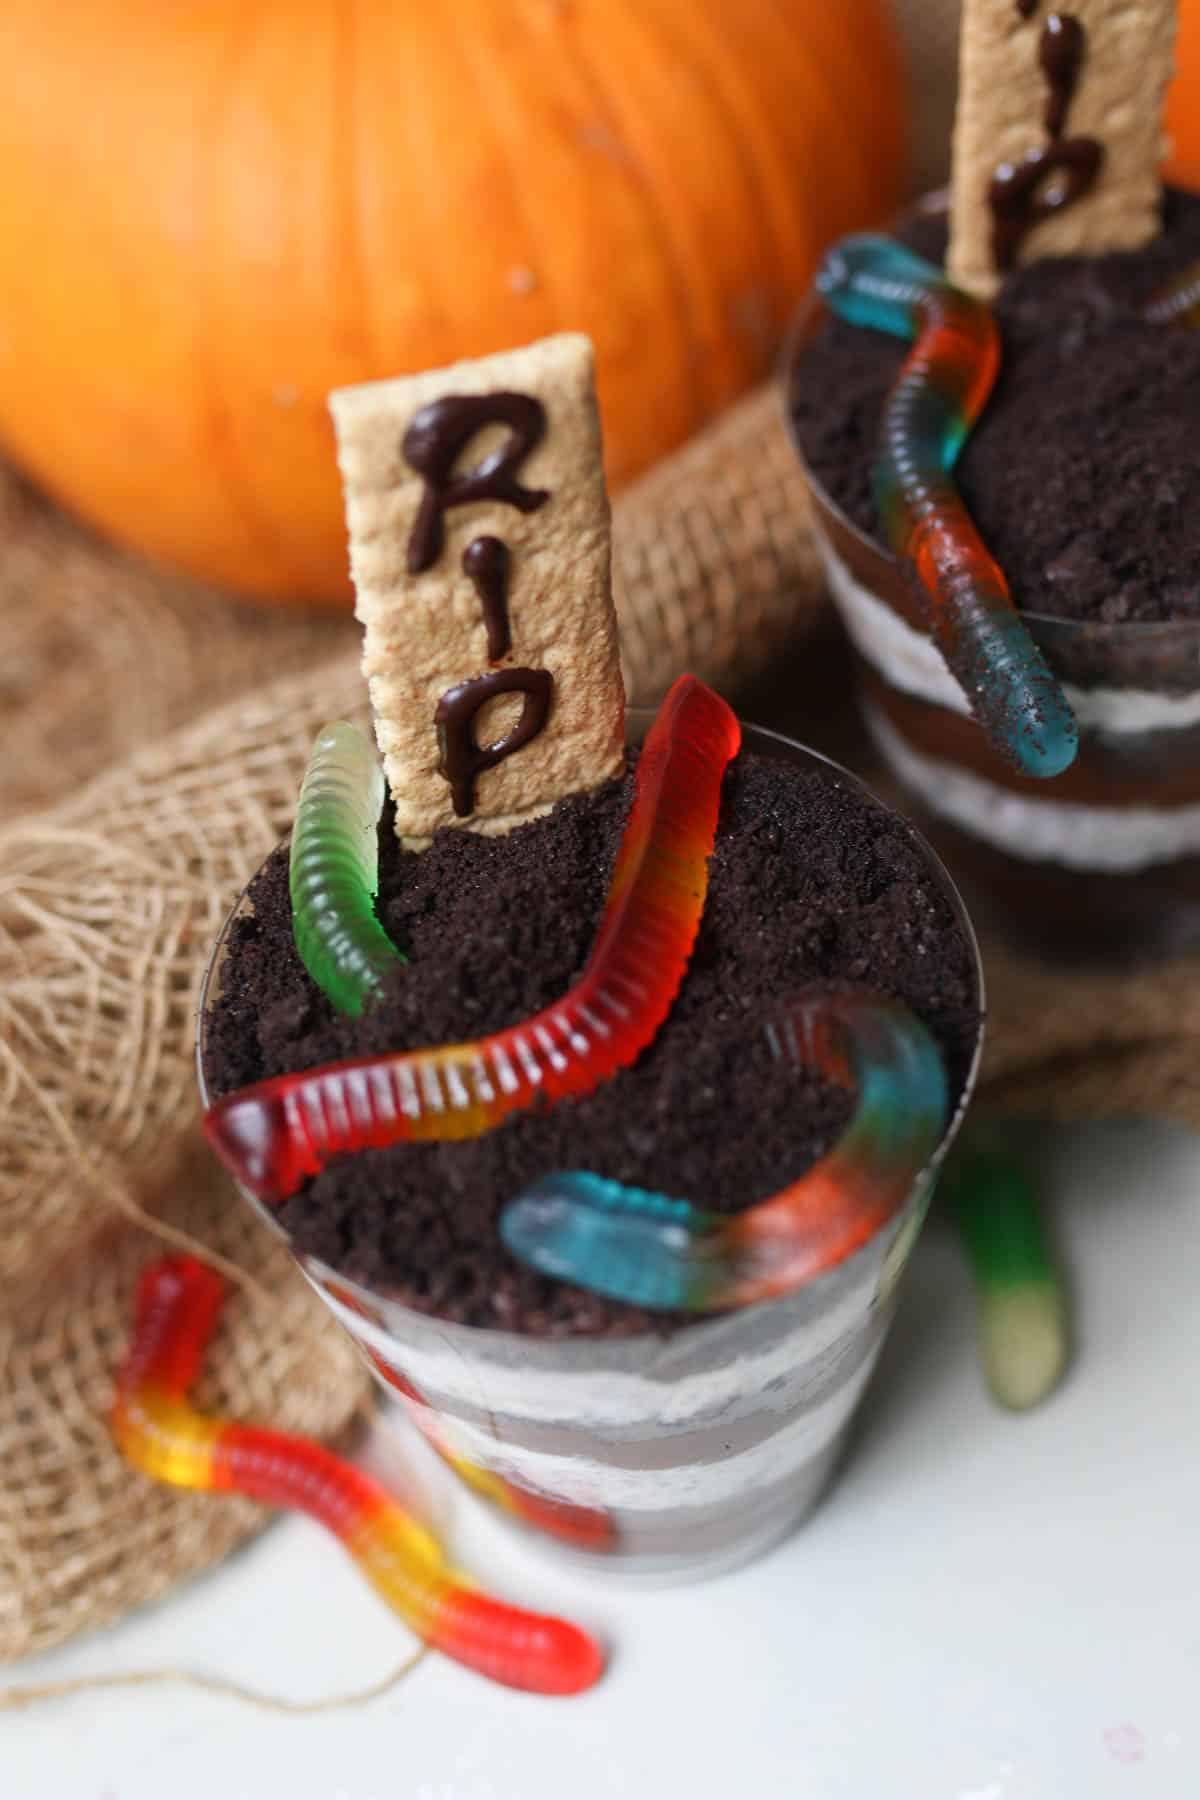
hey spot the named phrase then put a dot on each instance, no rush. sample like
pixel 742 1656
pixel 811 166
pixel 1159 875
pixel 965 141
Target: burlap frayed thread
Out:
pixel 39 1693
pixel 111 898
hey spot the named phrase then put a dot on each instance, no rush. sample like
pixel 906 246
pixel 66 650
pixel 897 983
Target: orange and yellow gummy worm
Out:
pixel 160 1432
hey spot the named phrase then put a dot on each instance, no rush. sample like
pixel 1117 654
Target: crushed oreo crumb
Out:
pixel 809 882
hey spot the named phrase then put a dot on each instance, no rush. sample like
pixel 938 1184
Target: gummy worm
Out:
pixel 1022 1319
pixel 273 1135
pixel 1177 302
pixel 333 870
pixel 159 1432
pixel 933 405
pixel 650 1250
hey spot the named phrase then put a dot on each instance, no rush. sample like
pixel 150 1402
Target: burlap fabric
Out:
pixel 155 805
pixel 82 1539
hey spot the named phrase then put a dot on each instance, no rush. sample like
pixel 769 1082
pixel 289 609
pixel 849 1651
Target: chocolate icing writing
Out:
pixel 1060 53
pixel 485 560
pixel 1020 194
pixel 463 756
pixel 435 439
pixel 1021 199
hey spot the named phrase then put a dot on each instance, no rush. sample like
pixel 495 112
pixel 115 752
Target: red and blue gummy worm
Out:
pixel 275 1134
pixel 650 1250
pixel 935 402
pixel 160 1432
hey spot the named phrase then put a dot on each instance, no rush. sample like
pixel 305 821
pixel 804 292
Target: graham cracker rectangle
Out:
pixel 425 628
pixel 1009 55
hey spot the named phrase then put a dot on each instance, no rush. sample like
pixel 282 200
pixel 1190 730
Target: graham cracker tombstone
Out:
pixel 480 549
pixel 1058 137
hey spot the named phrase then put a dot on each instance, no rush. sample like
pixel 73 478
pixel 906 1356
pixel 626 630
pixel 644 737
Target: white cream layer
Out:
pixel 582 1481
pixel 762 1359
pixel 910 661
pixel 1101 839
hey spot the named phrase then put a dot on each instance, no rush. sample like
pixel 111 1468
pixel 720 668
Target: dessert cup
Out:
pixel 673 1455
pixel 1103 859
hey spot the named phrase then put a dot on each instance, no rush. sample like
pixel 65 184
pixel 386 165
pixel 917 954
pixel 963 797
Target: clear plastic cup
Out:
pixel 1102 860
pixel 672 1456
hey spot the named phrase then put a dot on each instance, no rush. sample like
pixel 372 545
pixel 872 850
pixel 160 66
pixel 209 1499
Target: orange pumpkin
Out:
pixel 1183 99
pixel 214 211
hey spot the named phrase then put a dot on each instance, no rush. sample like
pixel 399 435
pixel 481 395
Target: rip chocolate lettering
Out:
pixel 435 440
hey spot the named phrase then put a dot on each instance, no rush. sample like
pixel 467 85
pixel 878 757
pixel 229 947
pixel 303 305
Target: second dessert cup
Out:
pixel 1105 858
pixel 674 1455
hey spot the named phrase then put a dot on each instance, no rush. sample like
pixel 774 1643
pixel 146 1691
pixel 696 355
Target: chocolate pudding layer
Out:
pixel 810 882
pixel 1081 481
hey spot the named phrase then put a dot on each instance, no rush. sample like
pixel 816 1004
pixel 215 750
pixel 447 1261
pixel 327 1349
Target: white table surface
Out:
pixel 987 1608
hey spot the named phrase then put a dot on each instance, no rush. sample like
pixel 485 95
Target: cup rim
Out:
pixel 370 1298
pixel 807 318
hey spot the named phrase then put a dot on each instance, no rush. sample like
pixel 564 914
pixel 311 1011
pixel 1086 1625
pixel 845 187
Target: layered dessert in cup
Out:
pixel 1081 480
pixel 613 1179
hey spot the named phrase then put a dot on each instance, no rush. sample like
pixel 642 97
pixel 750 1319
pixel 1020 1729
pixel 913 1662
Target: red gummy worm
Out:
pixel 931 408
pixel 159 1432
pixel 275 1134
